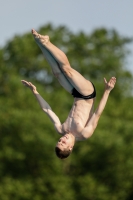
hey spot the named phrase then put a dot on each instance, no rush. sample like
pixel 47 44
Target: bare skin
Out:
pixel 82 119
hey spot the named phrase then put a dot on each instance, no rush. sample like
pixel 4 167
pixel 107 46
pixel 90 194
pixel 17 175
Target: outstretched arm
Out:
pixel 92 124
pixel 44 106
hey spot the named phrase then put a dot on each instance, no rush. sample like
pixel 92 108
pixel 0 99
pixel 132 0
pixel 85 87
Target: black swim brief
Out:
pixel 75 93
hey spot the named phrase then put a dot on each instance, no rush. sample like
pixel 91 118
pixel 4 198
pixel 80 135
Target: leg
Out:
pixel 75 78
pixel 56 70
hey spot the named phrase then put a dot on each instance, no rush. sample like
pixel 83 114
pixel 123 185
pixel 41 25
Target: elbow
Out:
pixel 98 114
pixel 87 136
pixel 44 110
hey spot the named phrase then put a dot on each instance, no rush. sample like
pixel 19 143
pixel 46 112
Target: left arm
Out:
pixel 45 106
pixel 92 124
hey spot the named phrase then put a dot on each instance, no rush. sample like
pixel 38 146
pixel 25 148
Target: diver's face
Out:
pixel 65 142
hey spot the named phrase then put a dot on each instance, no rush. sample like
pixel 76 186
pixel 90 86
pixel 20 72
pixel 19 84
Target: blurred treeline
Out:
pixel 100 168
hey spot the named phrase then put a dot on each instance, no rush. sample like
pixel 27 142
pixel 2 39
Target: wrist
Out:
pixel 35 92
pixel 107 91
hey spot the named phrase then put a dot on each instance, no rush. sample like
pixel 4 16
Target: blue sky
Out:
pixel 19 16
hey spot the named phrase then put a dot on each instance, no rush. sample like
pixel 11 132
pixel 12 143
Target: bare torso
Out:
pixel 78 117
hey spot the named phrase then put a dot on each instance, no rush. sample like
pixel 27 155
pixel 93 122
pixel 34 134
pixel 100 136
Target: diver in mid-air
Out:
pixel 82 119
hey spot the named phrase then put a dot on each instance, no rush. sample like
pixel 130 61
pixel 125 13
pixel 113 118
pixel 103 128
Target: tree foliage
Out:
pixel 99 168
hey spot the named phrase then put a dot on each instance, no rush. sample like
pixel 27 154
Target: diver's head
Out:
pixel 65 146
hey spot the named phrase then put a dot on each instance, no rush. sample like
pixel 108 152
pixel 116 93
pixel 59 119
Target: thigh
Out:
pixel 58 72
pixel 65 83
pixel 81 84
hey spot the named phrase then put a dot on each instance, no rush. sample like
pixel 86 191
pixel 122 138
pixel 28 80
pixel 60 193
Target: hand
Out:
pixel 29 85
pixel 110 85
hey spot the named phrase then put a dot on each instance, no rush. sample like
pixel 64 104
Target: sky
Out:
pixel 19 17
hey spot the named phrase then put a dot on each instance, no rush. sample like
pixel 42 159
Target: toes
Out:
pixel 35 33
pixel 38 35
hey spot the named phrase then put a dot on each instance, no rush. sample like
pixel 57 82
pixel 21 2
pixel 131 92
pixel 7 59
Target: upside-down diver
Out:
pixel 82 119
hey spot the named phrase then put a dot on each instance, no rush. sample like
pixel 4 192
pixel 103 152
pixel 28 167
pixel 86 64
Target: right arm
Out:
pixel 45 106
pixel 92 124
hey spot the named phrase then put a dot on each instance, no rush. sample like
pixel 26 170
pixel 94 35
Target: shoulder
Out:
pixel 58 128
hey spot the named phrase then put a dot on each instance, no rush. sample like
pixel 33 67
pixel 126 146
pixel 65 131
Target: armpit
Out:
pixel 58 128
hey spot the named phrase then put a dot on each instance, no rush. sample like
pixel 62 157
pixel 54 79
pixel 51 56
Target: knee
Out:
pixel 57 74
pixel 67 70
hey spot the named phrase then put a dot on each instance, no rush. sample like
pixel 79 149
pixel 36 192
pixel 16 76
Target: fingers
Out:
pixel 110 84
pixel 113 80
pixel 26 83
pixel 22 81
pixel 105 80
